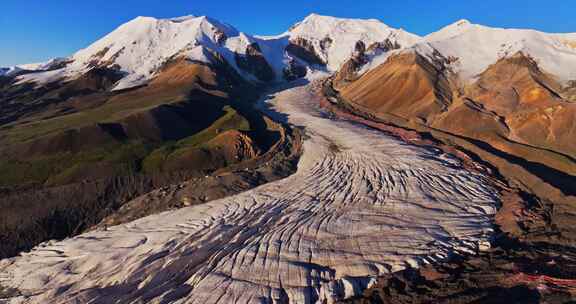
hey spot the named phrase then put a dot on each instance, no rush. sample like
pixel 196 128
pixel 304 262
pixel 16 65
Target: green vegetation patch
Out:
pixel 231 120
pixel 121 158
pixel 114 158
pixel 113 110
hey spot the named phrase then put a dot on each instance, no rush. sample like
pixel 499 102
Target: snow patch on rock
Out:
pixel 476 47
pixel 472 48
pixel 344 34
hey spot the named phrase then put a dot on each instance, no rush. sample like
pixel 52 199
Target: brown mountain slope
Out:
pixel 512 117
pixel 184 99
pixel 517 119
pixel 530 102
pixel 407 86
pixel 75 152
pixel 514 107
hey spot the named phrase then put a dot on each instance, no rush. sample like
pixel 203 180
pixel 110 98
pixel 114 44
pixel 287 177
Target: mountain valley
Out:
pixel 184 161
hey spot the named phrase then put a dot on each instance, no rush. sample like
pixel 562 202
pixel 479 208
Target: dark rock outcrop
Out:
pixel 384 46
pixel 348 70
pixel 254 63
pixel 294 71
pixel 325 44
pixel 304 50
pixel 220 36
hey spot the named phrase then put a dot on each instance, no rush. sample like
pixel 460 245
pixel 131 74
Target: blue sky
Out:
pixel 37 30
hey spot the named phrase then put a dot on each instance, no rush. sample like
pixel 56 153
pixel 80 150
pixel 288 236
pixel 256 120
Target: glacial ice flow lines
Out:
pixel 360 204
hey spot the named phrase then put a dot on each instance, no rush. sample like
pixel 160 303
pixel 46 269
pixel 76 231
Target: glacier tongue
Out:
pixel 361 204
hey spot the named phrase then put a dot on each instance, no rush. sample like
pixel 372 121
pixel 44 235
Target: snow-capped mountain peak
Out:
pixel 462 22
pixel 182 18
pixel 314 24
pixel 49 65
pixel 141 46
pixel 476 47
pixel 334 39
pixel 451 30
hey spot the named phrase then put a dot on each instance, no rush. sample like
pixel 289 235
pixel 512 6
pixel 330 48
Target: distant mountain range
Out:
pixel 141 47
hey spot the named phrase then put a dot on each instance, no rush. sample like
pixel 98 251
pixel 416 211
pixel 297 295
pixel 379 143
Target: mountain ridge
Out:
pixel 140 47
pixel 202 33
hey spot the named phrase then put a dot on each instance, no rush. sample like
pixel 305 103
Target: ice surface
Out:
pixel 361 204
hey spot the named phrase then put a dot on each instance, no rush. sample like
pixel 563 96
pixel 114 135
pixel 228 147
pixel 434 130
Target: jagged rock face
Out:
pixel 359 49
pixel 220 36
pixel 331 41
pixel 294 71
pixel 325 44
pixel 359 54
pixel 385 46
pixel 348 70
pixel 304 50
pixel 255 63
pixel 98 79
pixel 361 204
pixel 569 91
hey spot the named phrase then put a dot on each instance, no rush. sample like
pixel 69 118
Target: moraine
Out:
pixel 361 204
